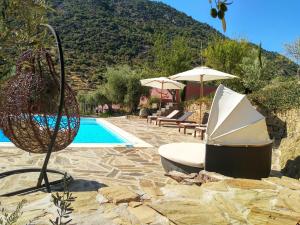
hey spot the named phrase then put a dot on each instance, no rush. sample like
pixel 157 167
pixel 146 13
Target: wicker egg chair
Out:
pixel 39 112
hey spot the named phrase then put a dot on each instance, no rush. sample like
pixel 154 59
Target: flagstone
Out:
pixel 135 177
pixel 118 194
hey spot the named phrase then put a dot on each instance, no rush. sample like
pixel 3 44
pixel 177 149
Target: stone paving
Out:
pixel 102 166
pixel 120 186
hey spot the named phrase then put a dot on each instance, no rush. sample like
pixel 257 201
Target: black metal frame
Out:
pixel 43 171
pixel 67 178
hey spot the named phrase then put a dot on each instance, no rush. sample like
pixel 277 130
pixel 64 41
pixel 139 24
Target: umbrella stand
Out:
pixel 201 96
pixel 162 87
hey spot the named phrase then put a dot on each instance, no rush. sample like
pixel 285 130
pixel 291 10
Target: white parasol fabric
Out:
pixel 202 74
pixel 234 121
pixel 207 74
pixel 162 83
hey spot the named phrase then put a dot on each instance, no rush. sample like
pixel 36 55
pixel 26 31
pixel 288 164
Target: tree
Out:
pixel 123 86
pixel 81 100
pixel 227 55
pixel 171 57
pixel 19 30
pixel 256 71
pixel 293 50
pixel 115 86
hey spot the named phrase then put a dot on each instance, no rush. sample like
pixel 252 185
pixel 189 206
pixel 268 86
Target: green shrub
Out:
pixel 153 100
pixel 278 96
pixel 207 100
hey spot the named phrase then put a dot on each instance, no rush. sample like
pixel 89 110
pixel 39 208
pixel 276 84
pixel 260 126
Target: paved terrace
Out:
pixel 151 197
pixel 94 167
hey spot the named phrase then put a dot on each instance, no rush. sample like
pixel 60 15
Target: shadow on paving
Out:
pixel 80 185
pixel 292 168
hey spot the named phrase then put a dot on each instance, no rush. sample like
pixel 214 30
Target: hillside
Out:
pixel 100 33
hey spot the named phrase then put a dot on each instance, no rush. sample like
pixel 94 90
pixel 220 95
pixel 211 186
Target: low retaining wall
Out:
pixel 284 128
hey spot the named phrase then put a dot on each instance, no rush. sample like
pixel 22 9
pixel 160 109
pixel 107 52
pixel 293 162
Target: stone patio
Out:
pixel 133 189
pixel 103 166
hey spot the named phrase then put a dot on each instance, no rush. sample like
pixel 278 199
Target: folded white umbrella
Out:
pixel 162 83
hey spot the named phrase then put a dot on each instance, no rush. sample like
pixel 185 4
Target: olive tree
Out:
pixel 256 71
pixel 123 86
pixel 19 30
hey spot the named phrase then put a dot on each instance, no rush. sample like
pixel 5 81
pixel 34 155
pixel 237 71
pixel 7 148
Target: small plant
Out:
pixel 63 203
pixel 11 218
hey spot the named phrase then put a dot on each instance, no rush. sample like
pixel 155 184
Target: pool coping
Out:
pixel 133 141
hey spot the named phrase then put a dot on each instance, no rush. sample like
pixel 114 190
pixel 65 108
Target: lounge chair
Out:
pixel 181 119
pixel 186 126
pixel 182 157
pixel 170 116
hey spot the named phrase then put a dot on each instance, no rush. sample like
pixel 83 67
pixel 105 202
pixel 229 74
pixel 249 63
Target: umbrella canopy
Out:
pixel 202 72
pixel 234 121
pixel 162 83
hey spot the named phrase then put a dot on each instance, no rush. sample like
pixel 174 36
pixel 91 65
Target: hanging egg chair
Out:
pixel 39 110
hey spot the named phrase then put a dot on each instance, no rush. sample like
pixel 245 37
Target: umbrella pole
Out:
pixel 162 86
pixel 201 96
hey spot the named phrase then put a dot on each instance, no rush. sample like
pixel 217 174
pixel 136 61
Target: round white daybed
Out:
pixel 237 139
pixel 237 142
pixel 183 157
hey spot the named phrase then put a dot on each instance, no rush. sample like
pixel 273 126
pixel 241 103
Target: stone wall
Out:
pixel 195 107
pixel 285 131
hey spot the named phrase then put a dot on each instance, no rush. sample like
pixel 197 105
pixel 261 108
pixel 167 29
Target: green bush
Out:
pixel 153 100
pixel 278 96
pixel 207 100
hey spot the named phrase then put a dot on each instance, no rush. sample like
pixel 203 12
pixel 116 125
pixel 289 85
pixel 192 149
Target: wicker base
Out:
pixel 239 162
pixel 169 166
pixel 36 188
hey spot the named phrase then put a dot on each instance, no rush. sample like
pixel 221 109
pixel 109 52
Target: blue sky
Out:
pixel 271 22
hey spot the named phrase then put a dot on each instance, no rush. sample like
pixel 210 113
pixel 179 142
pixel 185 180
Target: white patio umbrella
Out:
pixel 162 83
pixel 202 74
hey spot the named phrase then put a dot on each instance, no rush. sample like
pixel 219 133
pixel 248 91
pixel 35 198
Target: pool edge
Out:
pixel 133 141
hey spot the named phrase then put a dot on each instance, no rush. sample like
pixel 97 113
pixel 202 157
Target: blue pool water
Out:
pixel 3 138
pixel 90 131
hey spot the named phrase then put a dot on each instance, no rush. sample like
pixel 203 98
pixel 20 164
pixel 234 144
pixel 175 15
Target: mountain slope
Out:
pixel 100 33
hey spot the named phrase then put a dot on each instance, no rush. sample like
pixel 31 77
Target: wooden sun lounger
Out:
pixel 186 126
pixel 183 118
pixel 170 116
pixel 202 131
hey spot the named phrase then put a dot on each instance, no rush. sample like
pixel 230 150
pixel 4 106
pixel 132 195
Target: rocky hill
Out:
pixel 100 33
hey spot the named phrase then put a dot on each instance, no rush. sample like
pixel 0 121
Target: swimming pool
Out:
pixel 95 132
pixel 92 131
